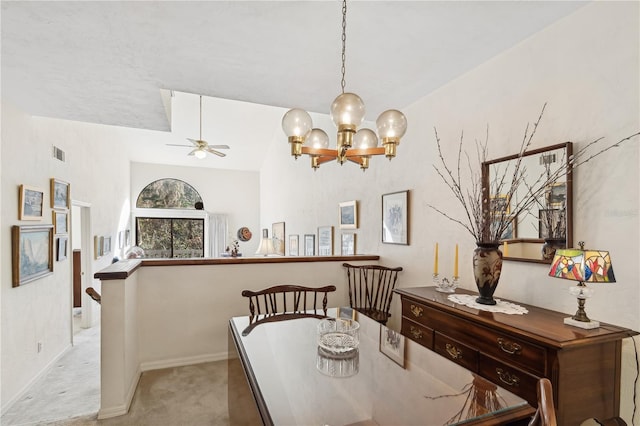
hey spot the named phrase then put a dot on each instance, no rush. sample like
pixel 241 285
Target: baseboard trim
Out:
pixel 181 362
pixel 119 410
pixel 6 407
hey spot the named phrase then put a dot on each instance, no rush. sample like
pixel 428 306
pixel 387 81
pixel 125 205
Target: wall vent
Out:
pixel 58 154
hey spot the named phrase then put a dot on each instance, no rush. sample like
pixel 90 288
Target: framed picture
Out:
pixel 392 345
pixel 325 240
pixel 309 245
pixel 127 237
pixel 293 245
pixel 499 205
pixel 32 252
pixel 509 233
pixel 347 312
pixel 60 196
pixel 30 207
pixel 106 245
pixel 348 215
pixel 61 248
pixel 277 233
pixel 551 218
pixel 348 246
pixel 60 222
pixel 557 195
pixel 97 246
pixel 121 239
pixel 395 218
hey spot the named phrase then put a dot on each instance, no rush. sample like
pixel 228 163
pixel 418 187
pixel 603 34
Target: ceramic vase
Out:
pixel 487 266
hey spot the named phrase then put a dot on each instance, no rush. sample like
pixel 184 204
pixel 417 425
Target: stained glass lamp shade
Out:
pixel 583 266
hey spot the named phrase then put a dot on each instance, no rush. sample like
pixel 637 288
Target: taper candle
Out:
pixel 435 261
pixel 506 249
pixel 455 264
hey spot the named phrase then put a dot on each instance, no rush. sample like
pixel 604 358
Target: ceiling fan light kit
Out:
pixel 201 147
pixel 347 113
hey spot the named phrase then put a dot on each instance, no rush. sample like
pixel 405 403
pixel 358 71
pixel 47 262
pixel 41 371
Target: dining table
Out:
pixel 386 380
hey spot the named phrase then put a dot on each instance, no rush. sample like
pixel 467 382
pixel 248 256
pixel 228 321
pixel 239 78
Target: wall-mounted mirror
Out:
pixel 546 224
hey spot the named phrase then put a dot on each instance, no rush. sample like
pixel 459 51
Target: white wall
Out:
pixel 40 311
pixel 234 193
pixel 586 68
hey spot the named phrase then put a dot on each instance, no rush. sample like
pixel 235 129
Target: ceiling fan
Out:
pixel 200 146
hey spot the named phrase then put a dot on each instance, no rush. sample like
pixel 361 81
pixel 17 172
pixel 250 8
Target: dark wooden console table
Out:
pixel 514 351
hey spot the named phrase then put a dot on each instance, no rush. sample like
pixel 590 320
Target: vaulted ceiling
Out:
pixel 108 62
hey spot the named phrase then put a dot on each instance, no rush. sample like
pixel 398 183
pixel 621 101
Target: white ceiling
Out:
pixel 107 62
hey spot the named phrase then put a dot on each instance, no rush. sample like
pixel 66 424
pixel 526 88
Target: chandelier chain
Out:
pixel 344 42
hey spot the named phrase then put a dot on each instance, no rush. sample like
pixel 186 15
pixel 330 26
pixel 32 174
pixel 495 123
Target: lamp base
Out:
pixel 587 325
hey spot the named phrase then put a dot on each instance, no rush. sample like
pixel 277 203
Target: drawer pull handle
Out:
pixel 416 311
pixel 507 378
pixel 416 333
pixel 509 347
pixel 453 352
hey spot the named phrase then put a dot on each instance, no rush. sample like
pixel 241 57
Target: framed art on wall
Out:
pixel 348 215
pixel 61 248
pixel 32 252
pixel 293 245
pixel 395 218
pixel 392 345
pixel 60 196
pixel 277 233
pixel 30 207
pixel 60 222
pixel 309 245
pixel 348 246
pixel 325 240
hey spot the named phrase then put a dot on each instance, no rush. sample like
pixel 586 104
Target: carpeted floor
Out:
pixel 69 394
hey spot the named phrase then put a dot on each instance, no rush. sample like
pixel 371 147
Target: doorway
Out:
pixel 82 309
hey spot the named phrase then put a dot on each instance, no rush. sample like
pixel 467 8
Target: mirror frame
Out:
pixel 568 146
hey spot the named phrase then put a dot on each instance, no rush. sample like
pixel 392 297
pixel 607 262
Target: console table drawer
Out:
pixel 510 378
pixel 415 312
pixel 456 351
pixel 493 342
pixel 419 333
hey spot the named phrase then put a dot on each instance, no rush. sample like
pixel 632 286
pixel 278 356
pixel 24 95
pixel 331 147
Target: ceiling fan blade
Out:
pixel 195 142
pixel 218 153
pixel 193 152
pixel 219 146
pixel 175 144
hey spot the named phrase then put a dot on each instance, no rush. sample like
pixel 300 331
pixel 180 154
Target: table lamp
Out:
pixel 583 266
pixel 266 245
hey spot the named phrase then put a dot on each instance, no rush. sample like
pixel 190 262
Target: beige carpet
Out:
pixel 69 394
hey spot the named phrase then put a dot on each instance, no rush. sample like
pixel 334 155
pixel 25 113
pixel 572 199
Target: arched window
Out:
pixel 168 194
pixel 170 235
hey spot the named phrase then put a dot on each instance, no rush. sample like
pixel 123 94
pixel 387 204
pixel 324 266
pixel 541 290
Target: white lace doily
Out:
pixel 500 306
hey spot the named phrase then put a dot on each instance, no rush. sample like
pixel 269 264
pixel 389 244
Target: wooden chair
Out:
pixel 545 415
pixel 371 289
pixel 284 302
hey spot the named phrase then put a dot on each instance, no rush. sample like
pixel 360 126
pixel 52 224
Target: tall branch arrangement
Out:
pixel 483 217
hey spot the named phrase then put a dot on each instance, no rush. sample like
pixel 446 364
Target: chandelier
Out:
pixel 347 113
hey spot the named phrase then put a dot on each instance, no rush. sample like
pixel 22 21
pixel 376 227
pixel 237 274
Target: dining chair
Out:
pixel 285 302
pixel 545 415
pixel 371 289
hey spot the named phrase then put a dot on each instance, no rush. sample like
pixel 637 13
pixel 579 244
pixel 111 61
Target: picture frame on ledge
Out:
pixel 325 241
pixel 309 245
pixel 31 203
pixel 60 222
pixel 293 245
pixel 32 253
pixel 348 246
pixel 277 234
pixel 348 215
pixel 395 218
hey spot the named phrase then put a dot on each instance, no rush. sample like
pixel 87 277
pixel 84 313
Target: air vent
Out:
pixel 547 159
pixel 58 154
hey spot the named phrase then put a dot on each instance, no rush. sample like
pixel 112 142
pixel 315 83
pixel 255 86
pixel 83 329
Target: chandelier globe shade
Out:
pixel 347 113
pixel 200 154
